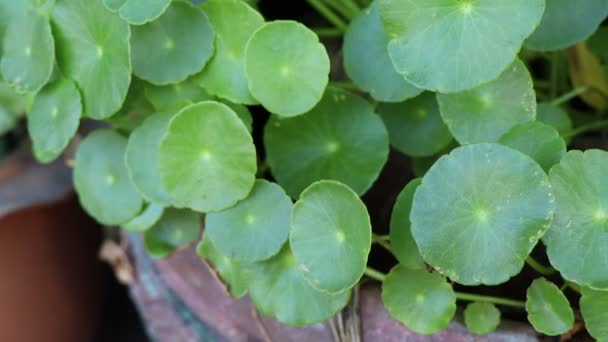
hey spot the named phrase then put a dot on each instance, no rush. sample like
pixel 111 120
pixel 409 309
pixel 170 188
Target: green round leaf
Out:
pixel 207 158
pixel 146 219
pixel 229 270
pixel 454 45
pixel 339 135
pixel 173 47
pixel 174 97
pixel 566 22
pixel 539 141
pixel 279 290
pixel 235 22
pixel 415 126
pixel 54 118
pixel 101 179
pixel 287 67
pixel 402 242
pixel 593 307
pixel 255 228
pixel 424 302
pixel 480 211
pixel 548 309
pixel 175 229
pixel 367 63
pixel 485 113
pixel 481 318
pixel 9 10
pixel 142 158
pixel 581 218
pixel 93 55
pixel 138 12
pixel 329 222
pixel 29 52
pixel 554 116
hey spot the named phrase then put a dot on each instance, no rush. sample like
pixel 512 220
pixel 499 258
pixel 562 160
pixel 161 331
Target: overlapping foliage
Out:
pixel 174 80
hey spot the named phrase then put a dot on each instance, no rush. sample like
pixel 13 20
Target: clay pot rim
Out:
pixel 25 183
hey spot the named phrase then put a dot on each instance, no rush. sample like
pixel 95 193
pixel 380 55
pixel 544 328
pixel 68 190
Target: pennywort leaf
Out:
pixel 175 229
pixel 207 158
pixel 548 309
pixel 593 307
pixel 229 270
pixel 329 222
pixel 479 212
pixel 481 318
pixel 402 242
pixel 287 68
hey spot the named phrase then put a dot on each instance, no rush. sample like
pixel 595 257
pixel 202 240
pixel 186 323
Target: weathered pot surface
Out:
pixel 181 300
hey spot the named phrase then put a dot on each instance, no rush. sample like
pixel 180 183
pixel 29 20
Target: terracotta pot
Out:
pixel 50 283
pixel 181 300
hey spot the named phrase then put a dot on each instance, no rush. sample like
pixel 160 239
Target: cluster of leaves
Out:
pixel 445 82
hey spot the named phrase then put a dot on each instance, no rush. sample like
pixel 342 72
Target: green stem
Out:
pixel 554 73
pixel 328 14
pixel 352 6
pixel 327 32
pixel 538 267
pixel 490 299
pixel 382 241
pixel 573 286
pixel 339 8
pixel 569 95
pixel 375 274
pixel 585 128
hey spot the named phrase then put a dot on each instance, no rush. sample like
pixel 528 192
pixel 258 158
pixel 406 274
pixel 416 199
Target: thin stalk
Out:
pixel 352 6
pixel 554 73
pixel 585 128
pixel 489 299
pixel 374 274
pixel 340 9
pixel 382 241
pixel 573 286
pixel 328 14
pixel 538 267
pixel 570 95
pixel 327 32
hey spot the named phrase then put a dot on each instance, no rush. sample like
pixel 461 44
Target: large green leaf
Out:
pixel 454 45
pixel 229 270
pixel 539 141
pixel 481 318
pixel 366 59
pixel 287 67
pixel 548 309
pixel 577 243
pixel 279 290
pixel 415 126
pixel 207 158
pixel 339 135
pixel 139 12
pixel 593 307
pixel 566 22
pixel 255 228
pixel 173 47
pixel 485 113
pixel 424 302
pixel 175 229
pixel 101 180
pixel 29 52
pixel 329 222
pixel 92 46
pixel 402 242
pixel 479 212
pixel 54 118
pixel 9 10
pixel 234 22
pixel 142 158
